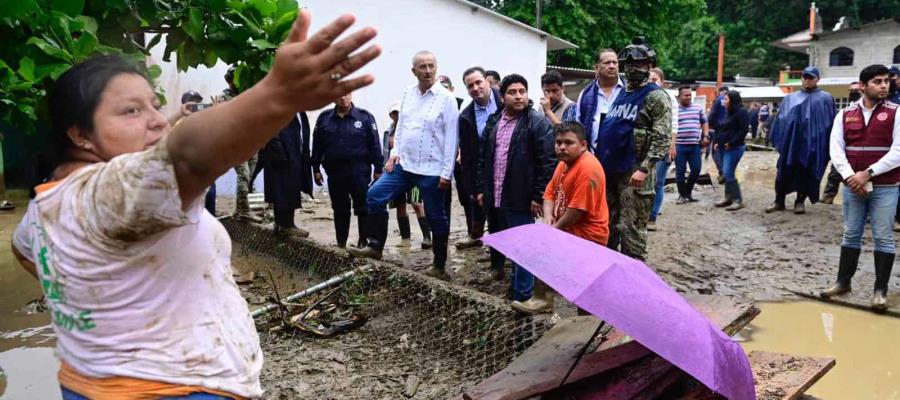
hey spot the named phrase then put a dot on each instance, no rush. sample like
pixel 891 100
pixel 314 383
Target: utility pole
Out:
pixel 538 5
pixel 721 67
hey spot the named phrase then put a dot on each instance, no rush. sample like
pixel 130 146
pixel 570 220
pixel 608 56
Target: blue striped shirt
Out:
pixel 690 119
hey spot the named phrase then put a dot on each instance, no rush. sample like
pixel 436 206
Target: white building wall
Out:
pixel 871 45
pixel 458 36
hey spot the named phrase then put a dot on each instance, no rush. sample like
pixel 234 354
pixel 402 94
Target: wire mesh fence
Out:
pixel 448 333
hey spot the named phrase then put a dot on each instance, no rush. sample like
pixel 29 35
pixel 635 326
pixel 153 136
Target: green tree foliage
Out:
pixel 43 38
pixel 685 32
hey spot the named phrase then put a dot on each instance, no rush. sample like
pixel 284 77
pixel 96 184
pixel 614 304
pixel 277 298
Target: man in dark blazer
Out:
pixel 472 120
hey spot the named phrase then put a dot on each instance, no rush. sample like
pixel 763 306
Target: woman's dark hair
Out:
pixel 734 100
pixel 509 80
pixel 76 94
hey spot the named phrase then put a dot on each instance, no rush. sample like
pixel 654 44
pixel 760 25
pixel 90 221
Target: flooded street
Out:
pixel 28 365
pixel 697 249
pixel 863 344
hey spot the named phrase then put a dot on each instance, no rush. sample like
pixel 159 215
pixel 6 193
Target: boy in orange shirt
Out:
pixel 574 201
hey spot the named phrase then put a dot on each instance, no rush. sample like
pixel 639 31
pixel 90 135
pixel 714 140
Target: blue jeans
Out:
pixel 662 169
pixel 501 219
pixel 70 395
pixel 687 155
pixel 730 160
pixel 392 184
pixel 880 206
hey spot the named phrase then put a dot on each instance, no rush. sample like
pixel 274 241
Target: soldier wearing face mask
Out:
pixel 834 178
pixel 633 137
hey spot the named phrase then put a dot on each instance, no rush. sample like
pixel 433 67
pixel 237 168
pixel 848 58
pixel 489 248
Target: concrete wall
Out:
pixel 871 45
pixel 458 36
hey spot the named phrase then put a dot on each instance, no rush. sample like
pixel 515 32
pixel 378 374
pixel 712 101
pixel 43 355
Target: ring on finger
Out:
pixel 336 76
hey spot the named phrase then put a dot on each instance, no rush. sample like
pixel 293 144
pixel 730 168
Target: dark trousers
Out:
pixel 346 190
pixel 211 199
pixel 474 213
pixel 284 217
pixel 501 219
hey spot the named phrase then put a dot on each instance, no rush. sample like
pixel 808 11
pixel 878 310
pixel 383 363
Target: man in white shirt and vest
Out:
pixel 424 154
pixel 865 150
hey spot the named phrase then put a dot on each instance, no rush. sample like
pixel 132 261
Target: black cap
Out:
pixel 191 95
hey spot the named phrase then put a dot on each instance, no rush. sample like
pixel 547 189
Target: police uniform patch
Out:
pixel 882 116
pixel 357 124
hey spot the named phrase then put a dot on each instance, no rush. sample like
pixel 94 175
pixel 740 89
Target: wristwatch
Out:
pixel 871 172
pixel 644 170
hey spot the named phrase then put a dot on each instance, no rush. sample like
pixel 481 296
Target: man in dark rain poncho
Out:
pixel 801 133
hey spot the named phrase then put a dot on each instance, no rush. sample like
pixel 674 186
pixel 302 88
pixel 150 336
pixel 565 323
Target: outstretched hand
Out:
pixel 311 72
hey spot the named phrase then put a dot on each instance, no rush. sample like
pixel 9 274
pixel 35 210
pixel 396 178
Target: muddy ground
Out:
pixel 697 248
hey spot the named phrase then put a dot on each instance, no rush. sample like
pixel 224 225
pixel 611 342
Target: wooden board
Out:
pixel 860 299
pixel 542 367
pixel 778 376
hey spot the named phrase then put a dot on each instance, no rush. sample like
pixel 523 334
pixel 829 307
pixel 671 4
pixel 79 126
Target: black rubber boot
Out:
pixel 377 226
pixel 403 223
pixel 440 257
pixel 884 263
pixel 341 227
pixel 362 230
pixel 727 201
pixel 846 269
pixel 426 233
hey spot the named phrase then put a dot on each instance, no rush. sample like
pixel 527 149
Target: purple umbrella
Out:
pixel 630 296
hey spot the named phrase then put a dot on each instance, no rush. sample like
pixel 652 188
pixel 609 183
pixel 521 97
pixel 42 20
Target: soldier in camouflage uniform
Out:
pixel 244 170
pixel 635 134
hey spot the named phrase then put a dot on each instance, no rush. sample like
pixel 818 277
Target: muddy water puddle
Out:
pixel 864 345
pixel 28 365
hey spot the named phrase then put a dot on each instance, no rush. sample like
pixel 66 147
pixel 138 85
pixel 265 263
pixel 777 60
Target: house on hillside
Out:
pixel 842 52
pixel 460 33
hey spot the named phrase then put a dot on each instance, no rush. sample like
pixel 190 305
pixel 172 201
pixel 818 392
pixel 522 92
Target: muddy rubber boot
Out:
pixel 846 269
pixel 377 225
pixel 426 233
pixel 884 263
pixel 777 205
pixel 541 300
pixel 799 208
pixel 827 199
pixel 737 199
pixel 727 200
pixel 440 257
pixel 468 243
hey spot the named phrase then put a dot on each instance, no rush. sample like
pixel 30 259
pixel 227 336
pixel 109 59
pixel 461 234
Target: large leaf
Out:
pixel 72 8
pixel 173 41
pixel 193 26
pixel 262 44
pixel 89 23
pixel 216 6
pixel 265 8
pixel 52 71
pixel 153 41
pixel 154 71
pixel 17 8
pixel 26 69
pixel 52 50
pixel 85 46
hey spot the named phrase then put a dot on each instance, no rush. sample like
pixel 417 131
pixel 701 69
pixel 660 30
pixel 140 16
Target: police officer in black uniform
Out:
pixel 346 143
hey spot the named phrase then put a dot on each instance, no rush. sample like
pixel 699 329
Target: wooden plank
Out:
pixel 542 367
pixel 778 376
pixel 630 381
pixel 858 299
